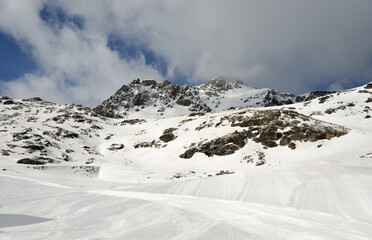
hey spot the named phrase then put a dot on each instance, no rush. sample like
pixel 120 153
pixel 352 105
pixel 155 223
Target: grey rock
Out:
pixel 144 93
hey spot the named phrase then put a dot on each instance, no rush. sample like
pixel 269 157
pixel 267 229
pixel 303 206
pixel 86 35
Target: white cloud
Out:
pixel 336 86
pixel 291 45
pixel 75 65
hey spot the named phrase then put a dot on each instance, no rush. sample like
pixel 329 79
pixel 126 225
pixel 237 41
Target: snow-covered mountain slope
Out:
pixel 147 98
pixel 286 172
pixel 351 108
pixel 46 133
pixel 70 136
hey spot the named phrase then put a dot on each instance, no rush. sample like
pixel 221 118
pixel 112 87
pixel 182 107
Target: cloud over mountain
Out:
pixel 85 50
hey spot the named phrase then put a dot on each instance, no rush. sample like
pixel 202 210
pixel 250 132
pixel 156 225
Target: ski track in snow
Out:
pixel 294 201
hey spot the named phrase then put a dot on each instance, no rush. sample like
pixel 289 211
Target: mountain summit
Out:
pixel 148 98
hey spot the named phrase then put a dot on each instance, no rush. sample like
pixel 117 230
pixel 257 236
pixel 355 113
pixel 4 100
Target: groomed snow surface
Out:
pixel 312 192
pixel 327 198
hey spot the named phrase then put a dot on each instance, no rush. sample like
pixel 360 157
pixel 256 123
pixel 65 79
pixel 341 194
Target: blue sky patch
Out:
pixel 14 62
pixel 129 49
pixel 56 18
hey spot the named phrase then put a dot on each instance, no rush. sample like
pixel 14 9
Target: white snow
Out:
pixel 320 190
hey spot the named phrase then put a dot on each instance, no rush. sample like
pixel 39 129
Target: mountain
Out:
pixel 74 135
pixel 298 171
pixel 148 98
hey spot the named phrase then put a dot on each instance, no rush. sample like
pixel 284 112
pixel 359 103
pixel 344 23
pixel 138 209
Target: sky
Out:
pixel 83 51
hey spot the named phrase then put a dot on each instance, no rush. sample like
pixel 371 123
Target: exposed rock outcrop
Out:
pixel 140 95
pixel 221 146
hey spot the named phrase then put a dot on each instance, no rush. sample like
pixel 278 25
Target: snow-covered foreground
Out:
pixel 302 171
pixel 318 199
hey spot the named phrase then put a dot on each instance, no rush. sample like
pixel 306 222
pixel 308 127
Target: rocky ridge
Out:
pixel 148 98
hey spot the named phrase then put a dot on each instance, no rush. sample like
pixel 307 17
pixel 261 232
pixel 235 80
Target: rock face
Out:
pixel 270 128
pixel 35 161
pixel 220 146
pixel 148 93
pixel 283 126
pixel 172 100
pixel 368 86
pixel 313 95
pixel 168 135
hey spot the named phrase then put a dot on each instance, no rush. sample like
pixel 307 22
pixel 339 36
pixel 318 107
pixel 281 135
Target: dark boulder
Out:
pixel 153 143
pixel 8 102
pixel 30 161
pixel 132 121
pixel 368 86
pixel 115 147
pixel 269 144
pixel 36 161
pixel 33 147
pixel 221 146
pixel 292 145
pixel 323 99
pixel 196 114
pixel 284 141
pixel 167 137
pixel 184 102
pixel 189 153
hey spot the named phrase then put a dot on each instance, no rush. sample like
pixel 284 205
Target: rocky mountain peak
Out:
pixel 146 82
pixel 148 98
pixel 221 83
pixel 148 95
